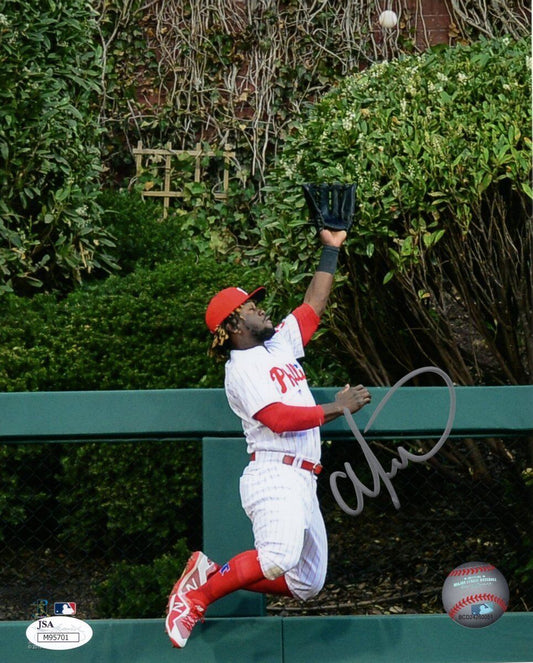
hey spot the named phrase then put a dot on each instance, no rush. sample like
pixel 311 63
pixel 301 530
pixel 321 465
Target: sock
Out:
pixel 242 570
pixel 278 586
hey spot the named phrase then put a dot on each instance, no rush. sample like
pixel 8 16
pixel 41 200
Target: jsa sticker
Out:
pixel 59 633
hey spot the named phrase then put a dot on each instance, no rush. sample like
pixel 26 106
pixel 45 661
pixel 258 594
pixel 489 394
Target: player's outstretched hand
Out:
pixel 353 398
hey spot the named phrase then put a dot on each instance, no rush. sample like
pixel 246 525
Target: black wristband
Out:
pixel 328 259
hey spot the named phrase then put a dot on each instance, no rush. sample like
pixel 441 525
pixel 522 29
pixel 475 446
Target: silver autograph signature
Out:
pixel 379 475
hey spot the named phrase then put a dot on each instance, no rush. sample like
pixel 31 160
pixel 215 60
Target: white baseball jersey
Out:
pixel 268 374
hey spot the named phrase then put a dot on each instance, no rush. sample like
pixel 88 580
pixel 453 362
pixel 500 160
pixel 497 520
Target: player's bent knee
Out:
pixel 272 572
pixel 275 565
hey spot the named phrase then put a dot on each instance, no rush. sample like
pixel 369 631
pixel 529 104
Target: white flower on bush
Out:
pixel 348 121
pixel 289 171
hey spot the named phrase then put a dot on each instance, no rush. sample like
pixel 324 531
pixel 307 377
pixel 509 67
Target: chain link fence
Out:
pixel 109 526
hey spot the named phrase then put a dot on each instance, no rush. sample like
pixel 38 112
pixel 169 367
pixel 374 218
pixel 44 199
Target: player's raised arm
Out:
pixel 331 208
pixel 317 293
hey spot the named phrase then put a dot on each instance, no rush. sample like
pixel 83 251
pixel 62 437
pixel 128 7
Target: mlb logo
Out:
pixel 482 609
pixel 65 608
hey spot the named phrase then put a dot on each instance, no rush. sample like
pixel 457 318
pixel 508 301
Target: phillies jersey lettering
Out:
pixel 289 374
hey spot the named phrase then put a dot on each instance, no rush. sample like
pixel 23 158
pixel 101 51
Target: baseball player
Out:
pixel 267 388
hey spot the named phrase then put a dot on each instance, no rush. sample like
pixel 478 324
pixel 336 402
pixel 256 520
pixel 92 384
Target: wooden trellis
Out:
pixel 170 157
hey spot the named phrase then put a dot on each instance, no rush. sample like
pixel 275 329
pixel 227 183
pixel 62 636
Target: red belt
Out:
pixel 315 468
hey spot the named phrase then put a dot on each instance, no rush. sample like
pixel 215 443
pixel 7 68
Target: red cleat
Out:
pixel 182 612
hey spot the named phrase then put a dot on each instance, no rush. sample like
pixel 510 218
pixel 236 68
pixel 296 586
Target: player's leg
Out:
pixel 195 591
pixel 274 498
pixel 306 579
pixel 278 586
pixel 239 572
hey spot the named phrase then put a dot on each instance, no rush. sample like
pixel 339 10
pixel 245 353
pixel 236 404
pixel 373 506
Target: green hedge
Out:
pixel 141 591
pixel 145 330
pixel 129 501
pixel 142 237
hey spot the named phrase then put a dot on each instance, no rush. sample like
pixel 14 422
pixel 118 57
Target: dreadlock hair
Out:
pixel 221 344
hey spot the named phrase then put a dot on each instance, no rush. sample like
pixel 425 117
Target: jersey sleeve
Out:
pixel 281 418
pixel 308 321
pixel 296 330
pixel 288 337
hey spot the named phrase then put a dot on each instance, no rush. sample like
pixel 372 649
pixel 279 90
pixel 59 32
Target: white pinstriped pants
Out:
pixel 288 527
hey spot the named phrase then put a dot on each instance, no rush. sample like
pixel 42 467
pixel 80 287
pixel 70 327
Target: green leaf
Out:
pixel 526 188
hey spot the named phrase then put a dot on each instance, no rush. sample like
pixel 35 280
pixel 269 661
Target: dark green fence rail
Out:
pixel 186 413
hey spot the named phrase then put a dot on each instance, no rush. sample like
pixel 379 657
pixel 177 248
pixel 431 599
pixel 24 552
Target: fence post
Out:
pixel 168 167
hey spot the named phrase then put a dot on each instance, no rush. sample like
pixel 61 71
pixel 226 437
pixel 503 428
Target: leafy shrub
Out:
pixel 24 342
pixel 145 330
pixel 130 500
pixel 140 591
pixel 27 492
pixel 141 236
pixel 436 266
pixel 200 223
pixel 49 160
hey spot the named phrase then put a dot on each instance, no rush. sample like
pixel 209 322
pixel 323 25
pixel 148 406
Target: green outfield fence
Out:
pixel 471 500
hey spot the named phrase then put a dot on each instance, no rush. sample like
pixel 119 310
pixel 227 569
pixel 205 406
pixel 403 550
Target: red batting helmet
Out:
pixel 226 301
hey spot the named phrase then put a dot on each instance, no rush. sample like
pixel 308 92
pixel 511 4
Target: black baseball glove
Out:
pixel 330 206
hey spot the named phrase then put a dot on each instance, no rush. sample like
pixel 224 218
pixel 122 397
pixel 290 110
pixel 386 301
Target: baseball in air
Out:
pixel 388 19
pixel 475 594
